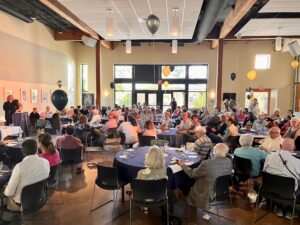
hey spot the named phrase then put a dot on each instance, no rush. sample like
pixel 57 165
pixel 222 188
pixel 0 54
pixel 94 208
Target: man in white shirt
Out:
pixel 32 169
pixel 273 141
pixel 283 163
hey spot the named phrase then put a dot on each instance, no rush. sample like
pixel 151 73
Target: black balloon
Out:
pixel 59 99
pixel 112 85
pixel 233 76
pixel 172 68
pixel 248 97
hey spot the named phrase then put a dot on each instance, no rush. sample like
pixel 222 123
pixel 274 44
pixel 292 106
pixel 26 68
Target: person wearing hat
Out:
pixel 294 131
pixel 30 170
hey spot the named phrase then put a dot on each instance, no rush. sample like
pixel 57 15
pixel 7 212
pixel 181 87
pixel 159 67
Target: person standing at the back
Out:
pixel 173 104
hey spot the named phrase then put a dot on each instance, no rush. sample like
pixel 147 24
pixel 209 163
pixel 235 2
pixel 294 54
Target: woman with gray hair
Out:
pixel 203 143
pixel 200 194
pixel 248 152
pixel 294 131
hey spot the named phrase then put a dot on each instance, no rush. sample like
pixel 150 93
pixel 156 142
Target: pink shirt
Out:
pixel 68 142
pixel 53 159
pixel 112 123
pixel 241 117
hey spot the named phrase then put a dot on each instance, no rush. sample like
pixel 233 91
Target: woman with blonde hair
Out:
pixel 155 165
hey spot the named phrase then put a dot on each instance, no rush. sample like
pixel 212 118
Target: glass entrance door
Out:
pixel 146 98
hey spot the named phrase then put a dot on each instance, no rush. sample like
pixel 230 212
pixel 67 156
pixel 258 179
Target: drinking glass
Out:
pixel 182 148
pixel 1 165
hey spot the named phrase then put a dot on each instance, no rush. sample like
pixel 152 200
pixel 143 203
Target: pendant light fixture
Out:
pixel 128 45
pixel 278 41
pixel 174 46
pixel 109 23
pixel 175 23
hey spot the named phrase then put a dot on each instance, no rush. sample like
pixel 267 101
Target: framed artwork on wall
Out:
pixel 88 99
pixel 44 96
pixel 24 95
pixel 34 96
pixel 7 92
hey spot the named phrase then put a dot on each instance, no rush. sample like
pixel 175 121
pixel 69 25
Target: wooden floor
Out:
pixel 77 196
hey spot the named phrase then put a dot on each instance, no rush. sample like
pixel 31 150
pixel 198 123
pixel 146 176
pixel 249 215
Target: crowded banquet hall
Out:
pixel 172 112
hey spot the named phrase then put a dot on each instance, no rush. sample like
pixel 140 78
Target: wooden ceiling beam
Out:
pixel 69 16
pixel 235 15
pixel 214 43
pixel 68 36
pixel 107 44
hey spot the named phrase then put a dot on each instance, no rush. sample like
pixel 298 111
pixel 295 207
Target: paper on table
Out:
pixel 123 156
pixel 130 150
pixel 188 163
pixel 11 144
pixel 175 168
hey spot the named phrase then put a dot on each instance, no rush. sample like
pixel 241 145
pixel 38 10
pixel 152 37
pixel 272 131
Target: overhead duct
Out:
pixel 211 14
pixel 15 14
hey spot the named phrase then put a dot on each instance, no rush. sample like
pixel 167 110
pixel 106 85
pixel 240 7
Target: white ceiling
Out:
pixel 127 13
pixel 281 6
pixel 275 26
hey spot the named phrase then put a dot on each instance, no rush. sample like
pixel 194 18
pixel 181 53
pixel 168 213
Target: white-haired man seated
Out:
pixel 283 163
pixel 273 141
pixel 200 194
pixel 203 143
pixel 255 155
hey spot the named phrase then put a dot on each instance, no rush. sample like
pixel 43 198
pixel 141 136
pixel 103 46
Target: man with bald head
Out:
pixel 273 141
pixel 283 163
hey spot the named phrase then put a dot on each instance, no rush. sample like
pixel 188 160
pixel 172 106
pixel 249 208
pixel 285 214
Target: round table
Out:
pixel 12 152
pixel 5 174
pixel 128 167
pixel 175 139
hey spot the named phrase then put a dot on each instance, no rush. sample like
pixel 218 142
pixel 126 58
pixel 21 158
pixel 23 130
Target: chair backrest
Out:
pixel 70 155
pixel 33 196
pixel 41 123
pixel 149 191
pixel 232 143
pixel 53 174
pixel 159 142
pixel 277 187
pixel 297 143
pixel 112 132
pixel 146 140
pixel 242 166
pixel 107 176
pixel 221 187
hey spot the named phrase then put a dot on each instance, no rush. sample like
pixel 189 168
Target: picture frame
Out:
pixel 34 96
pixel 24 95
pixel 44 96
pixel 88 99
pixel 7 92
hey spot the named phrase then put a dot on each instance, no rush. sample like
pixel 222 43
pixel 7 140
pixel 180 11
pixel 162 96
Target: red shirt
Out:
pixel 53 159
pixel 68 142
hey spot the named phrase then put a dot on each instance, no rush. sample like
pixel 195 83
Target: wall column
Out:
pixel 219 74
pixel 98 88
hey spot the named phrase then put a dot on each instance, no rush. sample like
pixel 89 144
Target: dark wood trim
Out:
pixel 68 35
pixel 98 82
pixel 219 74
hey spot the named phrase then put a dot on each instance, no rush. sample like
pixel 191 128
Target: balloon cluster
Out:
pixel 166 70
pixel 250 95
pixel 295 64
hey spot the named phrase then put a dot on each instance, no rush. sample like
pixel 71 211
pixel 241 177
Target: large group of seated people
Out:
pixel 211 134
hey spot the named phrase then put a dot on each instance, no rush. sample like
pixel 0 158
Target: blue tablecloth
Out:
pixel 128 168
pixel 171 135
pixel 22 120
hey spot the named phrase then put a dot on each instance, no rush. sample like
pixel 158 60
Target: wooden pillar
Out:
pixel 219 74
pixel 98 88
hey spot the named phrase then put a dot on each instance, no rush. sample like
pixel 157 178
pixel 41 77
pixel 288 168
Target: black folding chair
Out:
pixel 107 179
pixel 33 198
pixel 149 193
pixel 146 140
pixel 221 190
pixel 232 142
pixel 70 158
pixel 242 170
pixel 277 189
pixel 53 181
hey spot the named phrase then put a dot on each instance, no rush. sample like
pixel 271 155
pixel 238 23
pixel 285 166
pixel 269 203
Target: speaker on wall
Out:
pixel 294 48
pixel 88 41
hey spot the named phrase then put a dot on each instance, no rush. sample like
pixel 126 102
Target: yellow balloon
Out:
pixel 251 75
pixel 166 84
pixel 166 71
pixel 295 64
